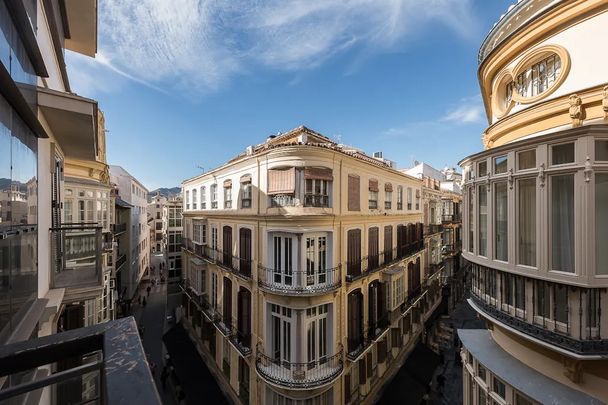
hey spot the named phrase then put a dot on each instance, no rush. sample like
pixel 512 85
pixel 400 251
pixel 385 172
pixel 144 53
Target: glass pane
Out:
pixel 483 168
pixel 500 164
pixel 526 159
pixel 562 223
pixel 561 154
pixel 601 150
pixel 601 223
pixel 527 222
pixel 500 225
pixel 483 220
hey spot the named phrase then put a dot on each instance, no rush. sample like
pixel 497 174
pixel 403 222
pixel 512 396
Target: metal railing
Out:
pixel 241 267
pixel 112 362
pixel 308 374
pixel 300 281
pixel 450 218
pixel 77 252
pixel 372 263
pixel 119 228
pixel 432 229
pixel 316 200
pixel 122 259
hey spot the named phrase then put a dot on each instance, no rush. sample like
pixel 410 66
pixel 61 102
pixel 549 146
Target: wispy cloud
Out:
pixel 200 45
pixel 468 111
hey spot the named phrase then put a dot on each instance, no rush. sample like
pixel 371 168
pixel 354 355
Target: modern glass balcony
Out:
pixel 303 282
pixel 299 375
pixel 107 365
pixel 76 252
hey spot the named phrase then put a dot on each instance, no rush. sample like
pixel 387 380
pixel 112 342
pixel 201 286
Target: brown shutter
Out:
pixel 281 181
pixel 372 249
pixel 354 200
pixel 368 362
pixel 388 187
pixel 382 351
pixel 227 313
pixel 318 173
pixel 353 252
pixel 362 372
pixel 418 193
pixel 388 243
pixel 245 251
pixel 373 185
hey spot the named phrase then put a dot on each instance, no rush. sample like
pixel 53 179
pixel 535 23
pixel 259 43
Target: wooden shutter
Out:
pixel 227 301
pixel 245 251
pixel 373 249
pixel 318 173
pixel 353 252
pixel 373 185
pixel 388 243
pixel 281 181
pixel 382 351
pixel 362 372
pixel 354 198
pixel 368 361
pixel 244 316
pixel 347 393
pixel 388 187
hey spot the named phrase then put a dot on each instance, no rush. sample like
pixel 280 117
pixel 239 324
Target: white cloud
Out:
pixel 199 45
pixel 468 111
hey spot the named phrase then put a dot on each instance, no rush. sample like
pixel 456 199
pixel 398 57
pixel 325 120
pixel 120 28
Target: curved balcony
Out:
pixel 304 375
pixel 299 282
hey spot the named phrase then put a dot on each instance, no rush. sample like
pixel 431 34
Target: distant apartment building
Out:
pixel 172 230
pixel 155 214
pixel 55 217
pixel 536 210
pixel 305 274
pixel 133 198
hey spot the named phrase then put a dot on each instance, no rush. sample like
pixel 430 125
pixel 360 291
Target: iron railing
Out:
pixel 432 229
pixel 119 228
pixel 237 265
pixel 302 375
pixel 300 281
pixel 447 218
pixel 372 263
pixel 77 252
pixel 316 200
pixel 122 259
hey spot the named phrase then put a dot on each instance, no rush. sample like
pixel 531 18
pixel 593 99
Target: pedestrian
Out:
pixel 163 376
pixel 143 302
pixel 148 290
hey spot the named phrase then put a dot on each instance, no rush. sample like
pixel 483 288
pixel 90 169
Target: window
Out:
pixel 601 150
pixel 67 211
pixel 471 215
pixel 482 168
pixel 601 223
pixel 562 223
pixel 280 336
pixel 228 196
pixel 213 191
pixel 373 247
pixel 562 154
pixel 500 221
pixel 187 199
pixel 527 222
pixel 354 189
pixel 520 293
pixel 539 77
pixel 542 293
pixel 194 202
pixel 214 290
pixel 561 302
pixel 316 260
pixel 388 244
pixel 203 198
pixel 397 292
pixel 282 186
pixel 388 200
pixel 199 233
pixel 500 164
pixel 316 193
pixel 283 258
pixel 526 159
pixel 409 198
pixel 400 197
pixel 483 219
pixel 373 194
pixel 481 372
pixel 520 399
pixel 246 192
pixel 417 199
pixel 316 334
pixel 353 252
pixel 499 387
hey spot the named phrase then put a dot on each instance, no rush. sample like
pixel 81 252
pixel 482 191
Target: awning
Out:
pixel 246 178
pixel 388 187
pixel 73 122
pixel 192 373
pixel 281 181
pixel 227 183
pixel 318 173
pixel 373 185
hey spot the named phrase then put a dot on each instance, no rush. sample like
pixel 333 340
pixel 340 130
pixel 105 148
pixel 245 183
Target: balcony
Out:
pixel 370 264
pixel 240 267
pixel 316 200
pixel 432 229
pixel 111 364
pixel 433 268
pixel 590 347
pixel 117 229
pixel 299 282
pixel 450 218
pixel 122 259
pixel 304 375
pixel 76 252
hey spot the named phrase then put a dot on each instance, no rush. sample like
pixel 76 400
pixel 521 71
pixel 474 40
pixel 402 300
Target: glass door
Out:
pixel 316 260
pixel 283 259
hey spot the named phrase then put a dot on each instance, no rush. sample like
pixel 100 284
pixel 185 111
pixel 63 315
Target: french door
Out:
pixel 316 260
pixel 281 325
pixel 283 259
pixel 316 335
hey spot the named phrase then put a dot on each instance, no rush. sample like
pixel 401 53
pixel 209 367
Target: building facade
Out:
pixel 535 210
pixel 304 271
pixel 132 198
pixel 172 230
pixel 155 213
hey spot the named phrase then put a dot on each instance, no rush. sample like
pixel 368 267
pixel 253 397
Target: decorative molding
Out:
pixel 573 369
pixel 510 179
pixel 576 110
pixel 541 175
pixel 588 170
pixel 605 102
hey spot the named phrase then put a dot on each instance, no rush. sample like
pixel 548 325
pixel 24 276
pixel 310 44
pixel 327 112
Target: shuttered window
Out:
pixel 281 181
pixel 354 199
pixel 355 320
pixel 388 244
pixel 244 316
pixel 353 265
pixel 227 301
pixel 373 257
pixel 245 251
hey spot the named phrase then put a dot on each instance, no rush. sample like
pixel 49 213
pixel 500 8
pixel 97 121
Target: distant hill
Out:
pixel 165 192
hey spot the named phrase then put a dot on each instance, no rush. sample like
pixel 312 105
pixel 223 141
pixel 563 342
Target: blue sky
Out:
pixel 187 84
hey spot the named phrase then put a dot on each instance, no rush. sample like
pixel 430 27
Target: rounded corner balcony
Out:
pixel 300 375
pixel 299 282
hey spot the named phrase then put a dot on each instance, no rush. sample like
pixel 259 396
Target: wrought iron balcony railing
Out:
pixel 299 375
pixel 76 250
pixel 119 228
pixel 237 265
pixel 299 281
pixel 112 366
pixel 372 263
pixel 316 200
pixel 432 229
pixel 122 259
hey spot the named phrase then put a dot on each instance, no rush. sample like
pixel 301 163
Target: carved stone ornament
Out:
pixel 541 175
pixel 510 179
pixel 605 102
pixel 588 170
pixel 488 183
pixel 573 369
pixel 576 110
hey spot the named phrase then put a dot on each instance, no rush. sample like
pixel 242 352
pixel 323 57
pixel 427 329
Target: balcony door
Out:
pixel 316 260
pixel 317 335
pixel 227 245
pixel 283 256
pixel 281 324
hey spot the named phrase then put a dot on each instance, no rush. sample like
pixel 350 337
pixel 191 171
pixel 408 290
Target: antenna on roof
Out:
pixel 339 138
pixel 200 167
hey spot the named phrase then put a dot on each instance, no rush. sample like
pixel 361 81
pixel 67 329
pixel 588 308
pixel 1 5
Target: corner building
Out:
pixel 536 210
pixel 304 276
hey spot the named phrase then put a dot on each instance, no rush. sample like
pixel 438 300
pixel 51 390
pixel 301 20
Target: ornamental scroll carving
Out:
pixel 605 102
pixel 576 110
pixel 573 369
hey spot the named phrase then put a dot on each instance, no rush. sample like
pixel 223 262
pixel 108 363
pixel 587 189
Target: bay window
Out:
pixel 562 223
pixel 601 223
pixel 483 220
pixel 526 222
pixel 282 187
pixel 316 193
pixel 500 221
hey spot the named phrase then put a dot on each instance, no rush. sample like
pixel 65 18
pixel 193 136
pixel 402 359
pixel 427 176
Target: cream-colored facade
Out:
pixel 172 232
pixel 155 214
pixel 535 210
pixel 305 271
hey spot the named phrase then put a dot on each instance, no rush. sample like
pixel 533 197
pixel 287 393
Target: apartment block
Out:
pixel 535 211
pixel 172 229
pixel 155 214
pixel 305 274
